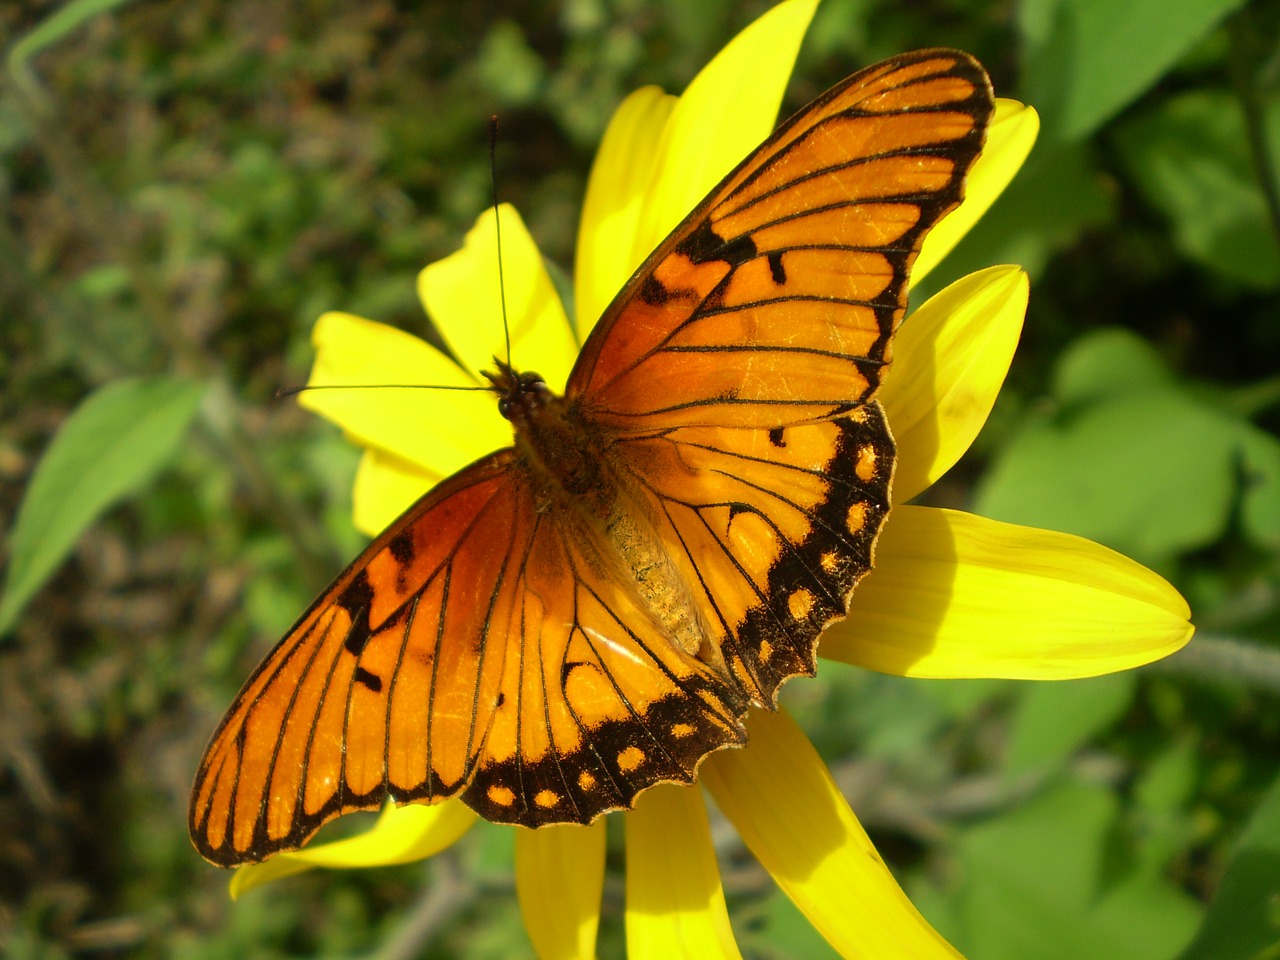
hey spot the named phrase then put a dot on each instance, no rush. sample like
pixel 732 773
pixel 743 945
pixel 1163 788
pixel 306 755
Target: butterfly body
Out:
pixel 573 479
pixel 593 609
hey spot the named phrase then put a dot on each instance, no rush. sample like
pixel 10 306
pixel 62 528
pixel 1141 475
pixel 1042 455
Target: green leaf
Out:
pixel 1107 363
pixel 491 850
pixel 1190 159
pixel 509 66
pixel 111 446
pixel 1144 916
pixel 1054 199
pixel 1054 720
pixel 1088 59
pixel 1064 827
pixel 49 31
pixel 1162 809
pixel 1150 473
pixel 1033 887
pixel 1132 458
pixel 1242 922
pixel 782 932
pixel 1260 507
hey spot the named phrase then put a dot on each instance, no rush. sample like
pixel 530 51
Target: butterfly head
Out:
pixel 520 395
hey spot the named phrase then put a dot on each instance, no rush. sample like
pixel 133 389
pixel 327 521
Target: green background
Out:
pixel 186 184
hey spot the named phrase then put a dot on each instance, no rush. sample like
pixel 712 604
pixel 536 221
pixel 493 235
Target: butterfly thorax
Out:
pixel 568 463
pixel 553 445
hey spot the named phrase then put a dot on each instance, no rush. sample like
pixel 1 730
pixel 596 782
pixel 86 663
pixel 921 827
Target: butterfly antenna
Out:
pixel 284 393
pixel 497 229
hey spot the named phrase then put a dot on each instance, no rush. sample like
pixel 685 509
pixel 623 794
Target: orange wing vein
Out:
pixel 597 703
pixel 771 529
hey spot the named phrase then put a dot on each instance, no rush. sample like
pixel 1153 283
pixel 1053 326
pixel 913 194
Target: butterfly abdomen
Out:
pixel 658 583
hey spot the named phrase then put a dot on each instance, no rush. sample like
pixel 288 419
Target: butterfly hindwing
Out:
pixel 596 703
pixel 481 646
pixel 773 528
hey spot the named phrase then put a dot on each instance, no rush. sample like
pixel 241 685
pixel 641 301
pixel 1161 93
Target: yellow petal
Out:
pixel 385 487
pixel 675 905
pixel 401 835
pixel 949 359
pixel 792 817
pixel 559 879
pixel 727 110
pixel 620 175
pixel 439 430
pixel 463 296
pixel 1009 139
pixel 956 595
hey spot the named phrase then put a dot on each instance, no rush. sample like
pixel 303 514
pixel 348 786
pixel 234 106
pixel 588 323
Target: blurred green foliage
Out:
pixel 187 185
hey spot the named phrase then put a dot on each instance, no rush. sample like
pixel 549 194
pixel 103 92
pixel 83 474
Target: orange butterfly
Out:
pixel 592 610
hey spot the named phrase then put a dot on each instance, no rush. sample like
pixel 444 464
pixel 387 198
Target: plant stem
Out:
pixel 446 892
pixel 1218 657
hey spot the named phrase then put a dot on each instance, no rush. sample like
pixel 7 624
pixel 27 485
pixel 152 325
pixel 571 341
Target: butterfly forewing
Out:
pixel 775 301
pixel 545 651
pixel 385 687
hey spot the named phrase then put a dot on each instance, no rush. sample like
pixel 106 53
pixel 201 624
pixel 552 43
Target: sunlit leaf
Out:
pixel 1260 507
pixel 1087 59
pixel 1106 363
pixel 1051 202
pixel 1053 720
pixel 1131 458
pixel 1189 157
pixel 1035 884
pixel 112 445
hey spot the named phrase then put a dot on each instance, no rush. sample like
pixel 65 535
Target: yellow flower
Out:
pixel 952 595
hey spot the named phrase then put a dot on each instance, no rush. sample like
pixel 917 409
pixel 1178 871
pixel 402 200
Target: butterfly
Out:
pixel 592 610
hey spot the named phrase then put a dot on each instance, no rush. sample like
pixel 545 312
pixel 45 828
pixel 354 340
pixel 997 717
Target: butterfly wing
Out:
pixel 734 377
pixel 775 300
pixel 480 644
pixel 771 529
pixel 385 687
pixel 729 389
pixel 597 703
